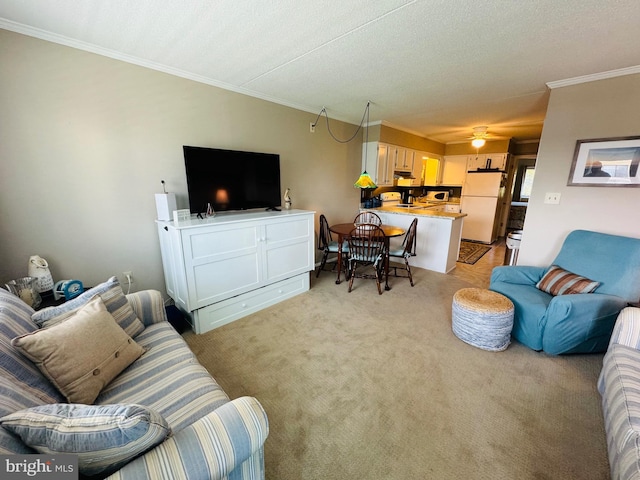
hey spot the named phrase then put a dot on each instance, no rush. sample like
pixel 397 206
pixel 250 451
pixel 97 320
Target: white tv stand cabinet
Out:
pixel 222 268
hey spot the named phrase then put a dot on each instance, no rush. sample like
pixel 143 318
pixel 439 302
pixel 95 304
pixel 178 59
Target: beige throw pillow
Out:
pixel 82 354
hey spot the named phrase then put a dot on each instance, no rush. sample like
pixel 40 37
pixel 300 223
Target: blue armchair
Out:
pixel 578 323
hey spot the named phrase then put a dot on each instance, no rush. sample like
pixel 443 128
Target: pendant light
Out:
pixel 365 180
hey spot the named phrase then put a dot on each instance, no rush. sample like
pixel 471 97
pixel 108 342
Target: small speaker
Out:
pixel 165 205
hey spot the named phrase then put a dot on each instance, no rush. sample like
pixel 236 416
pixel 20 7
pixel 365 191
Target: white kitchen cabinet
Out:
pixel 498 160
pixel 256 259
pixel 475 161
pixel 416 167
pixel 454 170
pixel 402 158
pixel 382 161
pixel 447 207
pixel 378 163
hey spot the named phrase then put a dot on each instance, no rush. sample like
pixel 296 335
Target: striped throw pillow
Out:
pixel 113 298
pixel 104 437
pixel 558 281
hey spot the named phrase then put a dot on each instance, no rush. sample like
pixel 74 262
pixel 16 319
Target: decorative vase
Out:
pixel 39 269
pixel 287 199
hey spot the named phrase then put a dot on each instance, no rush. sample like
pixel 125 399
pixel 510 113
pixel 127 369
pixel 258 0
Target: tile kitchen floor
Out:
pixel 479 274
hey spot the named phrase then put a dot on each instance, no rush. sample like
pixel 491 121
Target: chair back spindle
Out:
pixel 366 248
pixel 367 218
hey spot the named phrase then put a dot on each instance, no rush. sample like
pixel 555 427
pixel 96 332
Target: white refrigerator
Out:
pixel 482 193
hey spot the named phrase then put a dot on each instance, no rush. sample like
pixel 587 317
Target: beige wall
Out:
pixel 491 146
pixel 85 141
pixel 602 109
pixel 393 136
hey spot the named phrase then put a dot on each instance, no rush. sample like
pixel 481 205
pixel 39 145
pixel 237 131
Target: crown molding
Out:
pixel 594 77
pixel 105 52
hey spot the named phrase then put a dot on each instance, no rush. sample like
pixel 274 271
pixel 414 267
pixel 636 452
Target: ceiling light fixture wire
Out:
pixel 364 115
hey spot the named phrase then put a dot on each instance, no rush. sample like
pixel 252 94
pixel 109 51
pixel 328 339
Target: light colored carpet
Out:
pixel 366 386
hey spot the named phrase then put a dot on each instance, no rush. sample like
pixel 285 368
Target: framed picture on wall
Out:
pixel 606 162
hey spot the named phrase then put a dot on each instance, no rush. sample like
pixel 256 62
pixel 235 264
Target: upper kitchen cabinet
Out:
pixel 377 161
pixel 498 160
pixel 454 170
pixel 402 158
pixel 487 160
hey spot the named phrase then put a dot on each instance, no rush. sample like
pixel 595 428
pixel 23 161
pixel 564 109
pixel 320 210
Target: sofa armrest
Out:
pixel 148 306
pixel 627 328
pixel 519 274
pixel 583 321
pixel 210 448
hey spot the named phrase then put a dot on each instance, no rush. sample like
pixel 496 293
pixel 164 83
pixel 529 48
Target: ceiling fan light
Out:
pixel 478 142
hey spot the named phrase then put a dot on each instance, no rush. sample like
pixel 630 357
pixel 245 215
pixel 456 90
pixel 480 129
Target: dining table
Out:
pixel 343 230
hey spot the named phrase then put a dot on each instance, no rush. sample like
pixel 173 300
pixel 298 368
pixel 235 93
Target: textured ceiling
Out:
pixel 436 68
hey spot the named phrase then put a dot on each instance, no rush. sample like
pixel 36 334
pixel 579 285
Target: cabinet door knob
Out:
pixel 166 228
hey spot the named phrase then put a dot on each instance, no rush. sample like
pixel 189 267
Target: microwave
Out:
pixel 437 196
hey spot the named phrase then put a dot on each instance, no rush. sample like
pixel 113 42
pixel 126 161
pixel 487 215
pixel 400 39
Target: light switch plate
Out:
pixel 551 197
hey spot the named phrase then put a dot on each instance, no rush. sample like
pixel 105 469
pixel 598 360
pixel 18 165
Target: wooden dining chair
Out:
pixel 367 217
pixel 326 243
pixel 407 249
pixel 366 248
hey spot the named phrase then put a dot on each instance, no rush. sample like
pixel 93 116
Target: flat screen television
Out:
pixel 231 180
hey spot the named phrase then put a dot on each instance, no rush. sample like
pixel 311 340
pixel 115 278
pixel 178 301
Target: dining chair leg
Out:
pixel 352 274
pixel 386 266
pixel 322 263
pixel 406 262
pixel 341 260
pixel 378 280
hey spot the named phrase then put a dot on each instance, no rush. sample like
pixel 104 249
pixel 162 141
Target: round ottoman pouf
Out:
pixel 482 318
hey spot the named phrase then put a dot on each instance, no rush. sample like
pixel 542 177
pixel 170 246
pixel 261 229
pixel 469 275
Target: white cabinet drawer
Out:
pixel 221 313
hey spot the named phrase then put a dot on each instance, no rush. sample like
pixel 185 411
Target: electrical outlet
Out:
pixel 551 197
pixel 128 277
pixel 312 127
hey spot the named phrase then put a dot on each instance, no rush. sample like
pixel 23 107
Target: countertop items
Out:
pixel 436 210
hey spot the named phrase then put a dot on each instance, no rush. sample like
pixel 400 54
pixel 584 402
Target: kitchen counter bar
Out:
pixel 419 211
pixel 438 234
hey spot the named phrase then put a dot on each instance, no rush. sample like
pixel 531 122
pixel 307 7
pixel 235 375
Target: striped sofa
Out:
pixel 619 385
pixel 212 437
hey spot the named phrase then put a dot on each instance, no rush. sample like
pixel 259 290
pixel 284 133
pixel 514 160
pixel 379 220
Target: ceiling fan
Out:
pixel 479 137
